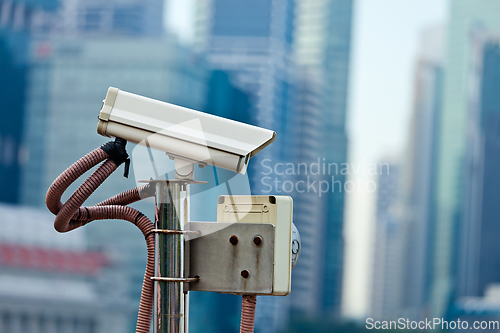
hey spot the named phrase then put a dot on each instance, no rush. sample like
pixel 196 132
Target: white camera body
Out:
pixel 181 132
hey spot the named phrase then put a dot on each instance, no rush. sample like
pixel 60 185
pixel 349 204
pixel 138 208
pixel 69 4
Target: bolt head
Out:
pixel 233 239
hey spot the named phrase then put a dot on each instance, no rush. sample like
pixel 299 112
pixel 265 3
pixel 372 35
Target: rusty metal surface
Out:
pixel 227 258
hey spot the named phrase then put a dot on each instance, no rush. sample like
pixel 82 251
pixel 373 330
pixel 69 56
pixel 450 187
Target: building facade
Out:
pixel 419 179
pixel 54 283
pixel 117 17
pixel 388 248
pixel 292 58
pixel 322 50
pixel 18 19
pixel 479 265
pixel 252 42
pixel 465 17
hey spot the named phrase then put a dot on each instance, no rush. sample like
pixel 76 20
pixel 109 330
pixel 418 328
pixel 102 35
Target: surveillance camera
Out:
pixel 181 132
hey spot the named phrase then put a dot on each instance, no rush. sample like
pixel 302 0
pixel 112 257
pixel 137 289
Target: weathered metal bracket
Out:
pixel 235 258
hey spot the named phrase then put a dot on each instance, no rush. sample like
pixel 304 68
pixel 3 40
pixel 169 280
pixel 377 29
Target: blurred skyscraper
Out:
pixel 479 264
pixel 322 45
pixel 388 247
pixel 405 222
pixel 307 142
pixel 252 41
pixel 17 20
pixel 466 16
pixel 52 283
pixel 419 176
pixel 125 17
pixel 305 103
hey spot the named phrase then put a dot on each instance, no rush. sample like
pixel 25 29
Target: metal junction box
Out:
pixel 247 251
pixel 236 258
pixel 265 209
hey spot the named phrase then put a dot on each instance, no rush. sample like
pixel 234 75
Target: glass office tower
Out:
pixel 465 17
pixel 322 48
pixel 18 20
pixel 419 181
pixel 252 42
pixel 292 57
pixel 479 264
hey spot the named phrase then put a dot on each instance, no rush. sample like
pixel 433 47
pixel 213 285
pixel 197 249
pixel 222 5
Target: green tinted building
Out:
pixel 466 16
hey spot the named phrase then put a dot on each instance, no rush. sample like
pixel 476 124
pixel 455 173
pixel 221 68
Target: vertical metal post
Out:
pixel 170 300
pixel 185 219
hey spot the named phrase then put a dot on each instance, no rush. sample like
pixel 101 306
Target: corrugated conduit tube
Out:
pixel 71 215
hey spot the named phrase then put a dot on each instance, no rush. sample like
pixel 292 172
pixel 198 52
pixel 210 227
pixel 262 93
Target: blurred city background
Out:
pixel 387 115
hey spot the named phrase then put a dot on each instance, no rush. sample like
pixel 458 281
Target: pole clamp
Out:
pixel 170 279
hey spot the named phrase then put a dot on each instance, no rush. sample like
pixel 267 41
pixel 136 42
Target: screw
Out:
pixel 245 273
pixel 233 240
pixel 257 240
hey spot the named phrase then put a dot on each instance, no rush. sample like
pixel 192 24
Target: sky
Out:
pixel 179 18
pixel 384 50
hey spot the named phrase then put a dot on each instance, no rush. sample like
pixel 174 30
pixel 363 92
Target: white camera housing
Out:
pixel 181 132
pixel 273 209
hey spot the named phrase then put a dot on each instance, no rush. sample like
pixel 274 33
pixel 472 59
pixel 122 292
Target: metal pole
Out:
pixel 170 300
pixel 185 219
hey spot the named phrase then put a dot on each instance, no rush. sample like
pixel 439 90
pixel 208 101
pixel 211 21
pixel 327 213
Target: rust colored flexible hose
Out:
pixel 71 215
pixel 248 313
